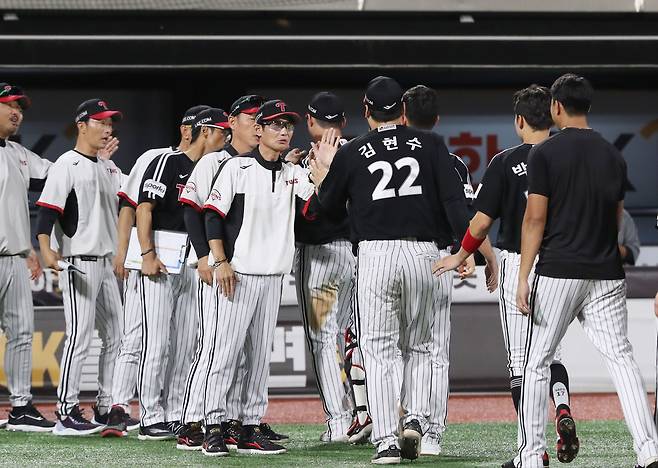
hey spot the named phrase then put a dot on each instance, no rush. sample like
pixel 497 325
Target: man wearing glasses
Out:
pixel 250 218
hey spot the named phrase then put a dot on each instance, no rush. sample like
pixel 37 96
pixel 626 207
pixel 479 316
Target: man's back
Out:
pixel 583 177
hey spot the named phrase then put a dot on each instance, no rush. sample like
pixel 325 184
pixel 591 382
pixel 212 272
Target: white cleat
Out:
pixel 430 446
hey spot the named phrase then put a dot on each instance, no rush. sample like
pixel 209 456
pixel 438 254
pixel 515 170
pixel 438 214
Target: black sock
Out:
pixel 515 389
pixel 559 386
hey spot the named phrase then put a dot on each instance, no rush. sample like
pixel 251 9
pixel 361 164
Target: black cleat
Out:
pixel 268 432
pixel 28 419
pixel 157 431
pixel 389 456
pixel 567 444
pixel 175 427
pixel 232 429
pixel 213 443
pixel 115 424
pixel 99 419
pixel 253 442
pixel 190 437
pixel 410 440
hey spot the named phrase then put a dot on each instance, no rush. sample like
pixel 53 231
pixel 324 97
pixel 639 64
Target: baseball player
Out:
pixel 168 301
pixel 244 138
pixel 572 221
pixel 79 200
pixel 20 170
pixel 324 270
pixel 503 194
pixel 405 201
pixel 124 383
pixel 250 226
pixel 422 112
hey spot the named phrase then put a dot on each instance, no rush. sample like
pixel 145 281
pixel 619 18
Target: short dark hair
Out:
pixel 422 106
pixel 574 93
pixel 534 105
pixel 325 124
pixel 196 131
pixel 380 116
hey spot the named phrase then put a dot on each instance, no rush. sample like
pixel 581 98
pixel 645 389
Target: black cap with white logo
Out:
pixel 326 106
pixel 96 109
pixel 190 114
pixel 247 104
pixel 212 117
pixel 383 94
pixel 275 109
pixel 9 93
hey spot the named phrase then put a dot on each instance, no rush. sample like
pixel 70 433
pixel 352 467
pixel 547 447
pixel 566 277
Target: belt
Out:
pixel 87 258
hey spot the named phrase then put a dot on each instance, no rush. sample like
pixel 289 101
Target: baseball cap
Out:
pixel 190 114
pixel 273 109
pixel 9 93
pixel 211 117
pixel 248 104
pixel 96 109
pixel 326 106
pixel 383 94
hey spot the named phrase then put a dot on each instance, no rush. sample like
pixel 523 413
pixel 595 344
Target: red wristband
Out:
pixel 470 243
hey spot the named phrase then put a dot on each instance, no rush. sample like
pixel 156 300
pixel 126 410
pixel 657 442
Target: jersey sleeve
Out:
pixel 130 187
pixel 304 188
pixel 490 192
pixel 333 192
pixel 223 189
pixel 38 166
pixel 57 188
pixel 451 189
pixel 538 181
pixel 159 178
pixel 199 184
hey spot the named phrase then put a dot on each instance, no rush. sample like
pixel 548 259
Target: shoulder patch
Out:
pixel 157 189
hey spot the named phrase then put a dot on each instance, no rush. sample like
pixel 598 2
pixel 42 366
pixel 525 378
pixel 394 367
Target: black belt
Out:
pixel 87 258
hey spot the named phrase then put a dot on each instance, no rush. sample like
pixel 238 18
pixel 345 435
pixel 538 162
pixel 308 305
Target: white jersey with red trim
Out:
pixel 17 166
pixel 197 189
pixel 83 190
pixel 132 184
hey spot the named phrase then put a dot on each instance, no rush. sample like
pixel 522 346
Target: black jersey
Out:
pixel 584 178
pixel 503 193
pixel 400 183
pixel 163 183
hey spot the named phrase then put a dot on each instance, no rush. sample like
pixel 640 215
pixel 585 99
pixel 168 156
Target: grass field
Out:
pixel 604 444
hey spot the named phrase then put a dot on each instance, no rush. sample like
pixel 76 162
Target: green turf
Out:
pixel 604 444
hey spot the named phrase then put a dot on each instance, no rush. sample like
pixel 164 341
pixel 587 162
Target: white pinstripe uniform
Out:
pixel 17 166
pixel 168 302
pixel 196 192
pixel 83 190
pixel 579 275
pixel 124 384
pixel 258 199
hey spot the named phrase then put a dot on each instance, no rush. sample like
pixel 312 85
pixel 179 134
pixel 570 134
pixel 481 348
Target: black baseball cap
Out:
pixel 211 117
pixel 274 109
pixel 383 94
pixel 326 106
pixel 248 104
pixel 190 114
pixel 9 93
pixel 96 109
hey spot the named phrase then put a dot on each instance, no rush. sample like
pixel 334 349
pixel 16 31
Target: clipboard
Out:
pixel 170 247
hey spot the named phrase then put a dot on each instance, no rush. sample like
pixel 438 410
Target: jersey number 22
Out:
pixel 407 188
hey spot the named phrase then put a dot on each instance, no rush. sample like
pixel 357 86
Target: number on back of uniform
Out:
pixel 407 188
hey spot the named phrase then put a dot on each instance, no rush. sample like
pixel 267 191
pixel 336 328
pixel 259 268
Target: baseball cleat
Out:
pixel 213 442
pixel 131 423
pixel 99 419
pixel 191 437
pixel 115 424
pixel 567 444
pixel 544 459
pixel 508 464
pixel 430 446
pixel 268 432
pixel 410 440
pixel 253 442
pixel 232 429
pixel 389 456
pixel 28 419
pixel 327 438
pixel 544 462
pixel 74 424
pixel 175 427
pixel 157 431
pixel 3 423
pixel 359 433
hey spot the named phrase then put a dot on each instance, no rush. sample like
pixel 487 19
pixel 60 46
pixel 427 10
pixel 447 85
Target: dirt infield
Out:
pixel 461 408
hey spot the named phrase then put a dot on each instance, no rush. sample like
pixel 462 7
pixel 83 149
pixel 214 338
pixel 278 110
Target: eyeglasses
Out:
pixel 280 124
pixel 99 123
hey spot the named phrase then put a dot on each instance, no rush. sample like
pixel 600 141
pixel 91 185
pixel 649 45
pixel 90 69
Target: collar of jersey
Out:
pixel 269 165
pixel 3 143
pixel 91 158
pixel 230 150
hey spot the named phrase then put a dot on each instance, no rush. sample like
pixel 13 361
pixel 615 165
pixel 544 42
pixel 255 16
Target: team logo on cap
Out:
pixel 102 104
pixel 312 109
pixel 6 89
pixel 281 105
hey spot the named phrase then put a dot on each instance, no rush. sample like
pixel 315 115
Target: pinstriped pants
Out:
pixel 440 357
pixel 600 306
pixel 323 276
pixel 124 384
pixel 17 323
pixel 245 322
pixel 92 298
pixel 169 325
pixel 397 297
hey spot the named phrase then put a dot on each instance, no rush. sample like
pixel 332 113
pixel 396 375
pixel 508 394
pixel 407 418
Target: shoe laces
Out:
pixel 76 415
